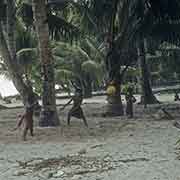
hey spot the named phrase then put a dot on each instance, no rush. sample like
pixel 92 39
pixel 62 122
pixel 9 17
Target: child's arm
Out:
pixel 19 123
pixel 66 104
pixel 133 99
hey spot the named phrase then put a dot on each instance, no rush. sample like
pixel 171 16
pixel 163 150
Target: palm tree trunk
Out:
pixel 24 90
pixel 147 94
pixel 8 53
pixel 11 23
pixel 87 85
pixel 114 106
pixel 49 116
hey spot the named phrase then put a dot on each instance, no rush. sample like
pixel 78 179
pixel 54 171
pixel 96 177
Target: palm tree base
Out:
pixel 88 96
pixel 114 110
pixel 149 100
pixel 49 119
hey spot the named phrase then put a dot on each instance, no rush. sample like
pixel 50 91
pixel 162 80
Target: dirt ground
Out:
pixel 142 148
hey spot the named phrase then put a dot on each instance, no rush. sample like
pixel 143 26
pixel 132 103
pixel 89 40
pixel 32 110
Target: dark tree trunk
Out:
pixel 11 24
pixel 114 106
pixel 87 87
pixel 147 94
pixel 49 116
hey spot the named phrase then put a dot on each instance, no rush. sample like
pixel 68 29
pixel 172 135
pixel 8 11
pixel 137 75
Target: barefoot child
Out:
pixel 26 119
pixel 130 99
pixel 176 96
pixel 76 110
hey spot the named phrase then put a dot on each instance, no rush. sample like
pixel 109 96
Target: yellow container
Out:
pixel 111 90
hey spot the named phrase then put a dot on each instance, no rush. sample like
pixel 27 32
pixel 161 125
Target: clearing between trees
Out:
pixel 111 148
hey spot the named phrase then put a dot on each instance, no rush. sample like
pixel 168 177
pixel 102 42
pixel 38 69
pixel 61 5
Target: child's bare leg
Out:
pixel 68 119
pixel 25 132
pixel 31 127
pixel 31 131
pixel 84 120
pixel 19 123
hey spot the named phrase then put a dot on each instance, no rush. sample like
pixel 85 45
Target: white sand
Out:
pixel 147 144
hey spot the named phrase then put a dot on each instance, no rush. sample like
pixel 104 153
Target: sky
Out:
pixel 6 87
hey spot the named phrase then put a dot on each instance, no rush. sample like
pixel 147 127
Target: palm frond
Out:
pixel 59 27
pixel 58 5
pixel 4 71
pixel 93 69
pixel 83 54
pixel 6 75
pixel 96 49
pixel 89 66
pixel 24 37
pixel 71 53
pixel 25 11
pixel 27 56
pixel 3 9
pixel 64 75
pixel 27 51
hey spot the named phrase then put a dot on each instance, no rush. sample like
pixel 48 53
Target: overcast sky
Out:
pixel 6 87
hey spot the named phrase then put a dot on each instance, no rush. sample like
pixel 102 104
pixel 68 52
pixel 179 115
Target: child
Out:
pixel 130 99
pixel 176 96
pixel 76 110
pixel 27 120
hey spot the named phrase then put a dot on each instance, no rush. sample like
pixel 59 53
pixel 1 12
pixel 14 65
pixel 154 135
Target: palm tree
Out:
pixel 8 52
pixel 133 21
pixel 147 94
pixel 82 62
pixel 155 17
pixel 120 51
pixel 49 116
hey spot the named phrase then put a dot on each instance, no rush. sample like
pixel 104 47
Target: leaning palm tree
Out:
pixel 49 116
pixel 146 90
pixel 8 50
pixel 159 16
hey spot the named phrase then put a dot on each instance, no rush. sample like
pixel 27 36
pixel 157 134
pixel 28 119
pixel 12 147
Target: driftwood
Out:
pixel 176 124
pixel 164 115
pixel 3 107
pixel 167 114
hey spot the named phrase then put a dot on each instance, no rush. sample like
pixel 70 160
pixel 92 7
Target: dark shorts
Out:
pixel 78 113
